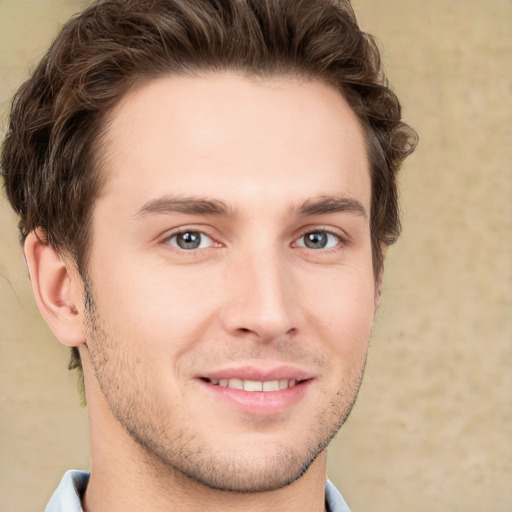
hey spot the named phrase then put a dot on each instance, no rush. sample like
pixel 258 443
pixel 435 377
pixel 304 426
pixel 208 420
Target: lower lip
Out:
pixel 259 403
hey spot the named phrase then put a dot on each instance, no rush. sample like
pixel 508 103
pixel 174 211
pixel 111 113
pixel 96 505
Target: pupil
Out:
pixel 315 240
pixel 189 240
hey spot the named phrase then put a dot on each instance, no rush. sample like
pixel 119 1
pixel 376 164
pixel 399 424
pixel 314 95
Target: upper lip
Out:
pixel 254 373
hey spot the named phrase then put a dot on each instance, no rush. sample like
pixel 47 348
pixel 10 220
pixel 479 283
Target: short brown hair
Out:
pixel 48 158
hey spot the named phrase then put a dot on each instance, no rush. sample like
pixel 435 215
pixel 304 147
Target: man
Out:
pixel 206 191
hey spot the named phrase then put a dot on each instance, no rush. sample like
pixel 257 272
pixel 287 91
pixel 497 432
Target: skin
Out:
pixel 265 164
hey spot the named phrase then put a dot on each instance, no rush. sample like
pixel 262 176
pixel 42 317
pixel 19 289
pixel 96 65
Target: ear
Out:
pixel 57 289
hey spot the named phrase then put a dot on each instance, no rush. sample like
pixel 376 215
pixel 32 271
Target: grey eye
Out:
pixel 315 240
pixel 318 240
pixel 190 240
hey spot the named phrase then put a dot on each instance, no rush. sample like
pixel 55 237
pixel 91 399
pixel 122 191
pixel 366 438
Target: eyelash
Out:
pixel 340 240
pixel 301 241
pixel 167 240
pixel 338 243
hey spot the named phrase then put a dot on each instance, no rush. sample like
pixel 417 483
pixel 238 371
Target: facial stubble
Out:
pixel 180 452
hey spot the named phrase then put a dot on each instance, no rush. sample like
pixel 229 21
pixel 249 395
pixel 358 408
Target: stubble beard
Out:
pixel 182 453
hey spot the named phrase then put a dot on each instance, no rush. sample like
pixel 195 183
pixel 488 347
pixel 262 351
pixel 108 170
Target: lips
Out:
pixel 257 391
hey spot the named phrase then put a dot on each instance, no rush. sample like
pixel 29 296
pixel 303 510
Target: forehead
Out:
pixel 201 135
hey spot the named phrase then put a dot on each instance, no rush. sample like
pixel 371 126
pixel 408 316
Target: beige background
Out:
pixel 432 429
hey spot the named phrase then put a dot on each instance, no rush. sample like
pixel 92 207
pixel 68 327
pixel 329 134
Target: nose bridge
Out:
pixel 261 300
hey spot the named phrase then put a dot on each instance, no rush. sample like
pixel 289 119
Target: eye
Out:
pixel 190 240
pixel 318 240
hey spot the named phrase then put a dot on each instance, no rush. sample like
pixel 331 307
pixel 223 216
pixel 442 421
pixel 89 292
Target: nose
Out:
pixel 261 299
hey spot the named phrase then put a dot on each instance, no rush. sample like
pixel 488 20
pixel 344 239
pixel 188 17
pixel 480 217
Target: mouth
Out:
pixel 256 391
pixel 267 386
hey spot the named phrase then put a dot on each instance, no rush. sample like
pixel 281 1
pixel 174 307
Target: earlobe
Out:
pixel 53 286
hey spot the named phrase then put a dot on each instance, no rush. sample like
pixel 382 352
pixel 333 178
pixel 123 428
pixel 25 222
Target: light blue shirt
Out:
pixel 72 487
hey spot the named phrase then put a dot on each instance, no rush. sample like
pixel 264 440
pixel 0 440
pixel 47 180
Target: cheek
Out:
pixel 155 306
pixel 343 306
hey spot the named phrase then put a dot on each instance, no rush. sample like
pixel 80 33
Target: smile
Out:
pixel 254 385
pixel 258 391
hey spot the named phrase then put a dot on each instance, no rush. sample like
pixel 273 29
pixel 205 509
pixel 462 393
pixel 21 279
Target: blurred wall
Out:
pixel 432 429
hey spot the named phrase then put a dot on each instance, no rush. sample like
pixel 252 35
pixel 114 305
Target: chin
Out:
pixel 242 475
pixel 246 466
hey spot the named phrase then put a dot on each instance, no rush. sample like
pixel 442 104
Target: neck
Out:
pixel 125 492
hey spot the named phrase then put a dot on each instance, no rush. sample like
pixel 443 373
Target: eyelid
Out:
pixel 343 238
pixel 165 239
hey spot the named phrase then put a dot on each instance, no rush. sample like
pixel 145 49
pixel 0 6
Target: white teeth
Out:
pixel 271 385
pixel 236 384
pixel 254 385
pixel 283 384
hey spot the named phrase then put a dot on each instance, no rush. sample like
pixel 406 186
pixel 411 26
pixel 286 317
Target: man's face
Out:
pixel 231 249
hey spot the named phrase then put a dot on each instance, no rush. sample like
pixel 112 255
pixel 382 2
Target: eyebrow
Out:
pixel 332 204
pixel 187 205
pixel 191 205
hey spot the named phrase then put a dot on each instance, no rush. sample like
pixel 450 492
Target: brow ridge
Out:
pixel 192 205
pixel 189 205
pixel 332 204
